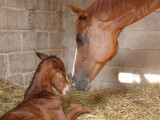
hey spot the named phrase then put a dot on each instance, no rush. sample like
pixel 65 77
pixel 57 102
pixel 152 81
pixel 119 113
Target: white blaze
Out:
pixel 73 70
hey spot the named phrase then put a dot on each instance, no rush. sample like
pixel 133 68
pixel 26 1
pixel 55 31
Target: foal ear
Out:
pixel 41 55
pixel 78 11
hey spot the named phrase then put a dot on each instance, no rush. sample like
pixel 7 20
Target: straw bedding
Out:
pixel 139 103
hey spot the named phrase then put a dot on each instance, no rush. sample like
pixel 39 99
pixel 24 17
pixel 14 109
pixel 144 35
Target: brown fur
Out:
pixel 103 23
pixel 40 102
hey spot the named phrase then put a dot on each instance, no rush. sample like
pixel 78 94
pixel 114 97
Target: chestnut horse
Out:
pixel 40 102
pixel 97 30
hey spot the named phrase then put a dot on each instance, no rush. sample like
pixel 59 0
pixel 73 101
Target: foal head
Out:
pixel 53 68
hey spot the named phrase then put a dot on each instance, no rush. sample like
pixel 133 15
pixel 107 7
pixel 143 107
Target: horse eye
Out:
pixel 63 74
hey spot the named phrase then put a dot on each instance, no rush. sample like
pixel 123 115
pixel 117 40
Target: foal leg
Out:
pixel 73 111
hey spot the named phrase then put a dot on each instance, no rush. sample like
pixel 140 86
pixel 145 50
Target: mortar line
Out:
pixel 21 42
pixel 8 66
pixel 5 3
pixel 48 41
pixel 12 8
pixel 14 30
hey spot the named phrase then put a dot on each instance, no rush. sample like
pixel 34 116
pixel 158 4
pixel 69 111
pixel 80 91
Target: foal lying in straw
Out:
pixel 40 102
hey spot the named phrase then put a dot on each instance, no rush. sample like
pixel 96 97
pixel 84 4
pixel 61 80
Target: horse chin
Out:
pixel 66 90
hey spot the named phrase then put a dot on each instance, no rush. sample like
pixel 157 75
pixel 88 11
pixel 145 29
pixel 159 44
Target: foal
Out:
pixel 40 102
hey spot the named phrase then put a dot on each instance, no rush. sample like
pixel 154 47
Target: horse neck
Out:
pixel 139 10
pixel 122 12
pixel 41 81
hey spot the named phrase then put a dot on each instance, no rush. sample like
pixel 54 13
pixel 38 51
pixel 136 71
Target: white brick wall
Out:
pixel 27 25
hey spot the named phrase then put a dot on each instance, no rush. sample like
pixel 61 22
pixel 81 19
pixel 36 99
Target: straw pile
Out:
pixel 10 96
pixel 139 103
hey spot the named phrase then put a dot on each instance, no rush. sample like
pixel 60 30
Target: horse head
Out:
pixel 92 48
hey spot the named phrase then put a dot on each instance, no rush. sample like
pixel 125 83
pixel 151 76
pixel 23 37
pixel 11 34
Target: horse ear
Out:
pixel 41 55
pixel 78 11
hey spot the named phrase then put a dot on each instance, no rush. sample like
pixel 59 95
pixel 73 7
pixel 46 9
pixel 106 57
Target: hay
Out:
pixel 10 96
pixel 139 103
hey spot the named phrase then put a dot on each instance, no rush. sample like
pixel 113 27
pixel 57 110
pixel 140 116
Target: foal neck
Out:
pixel 41 81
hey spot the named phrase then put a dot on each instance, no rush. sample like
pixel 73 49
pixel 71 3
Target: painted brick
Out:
pixel 41 38
pixel 152 21
pixel 68 58
pixel 56 40
pixel 152 59
pixel 141 39
pixel 16 80
pixel 29 4
pixel 3 65
pixel 120 40
pixel 139 25
pixel 49 5
pixel 152 71
pixel 70 39
pixel 22 62
pixel 41 20
pixel 29 42
pixel 87 3
pixel 27 78
pixel 10 42
pixel 23 20
pixel 135 70
pixel 49 21
pixel 70 23
pixel 129 58
pixel 109 74
pixel 97 84
pixel 57 5
pixel 58 21
pixel 2 2
pixel 35 41
pixel 3 18
pixel 17 19
pixel 44 5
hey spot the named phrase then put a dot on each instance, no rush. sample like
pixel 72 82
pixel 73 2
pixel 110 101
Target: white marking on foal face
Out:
pixel 66 89
pixel 73 70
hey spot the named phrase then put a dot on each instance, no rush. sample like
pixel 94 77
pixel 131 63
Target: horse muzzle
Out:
pixel 81 84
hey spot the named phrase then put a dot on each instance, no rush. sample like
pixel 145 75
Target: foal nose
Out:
pixel 73 83
pixel 66 89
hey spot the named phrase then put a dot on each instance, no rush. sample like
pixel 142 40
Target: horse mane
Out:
pixel 105 8
pixel 34 76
